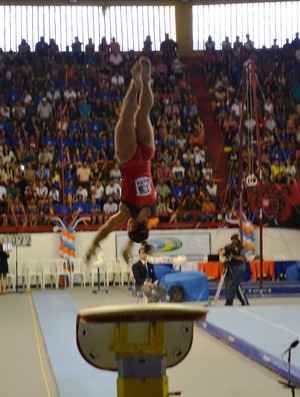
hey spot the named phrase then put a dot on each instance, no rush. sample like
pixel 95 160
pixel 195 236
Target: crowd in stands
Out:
pixel 57 116
pixel 58 111
pixel 278 91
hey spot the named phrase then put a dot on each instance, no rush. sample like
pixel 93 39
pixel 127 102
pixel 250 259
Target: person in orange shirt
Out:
pixel 208 209
pixel 196 138
pixel 114 46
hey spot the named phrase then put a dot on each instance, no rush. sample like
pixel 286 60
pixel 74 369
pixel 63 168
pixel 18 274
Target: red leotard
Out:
pixel 136 185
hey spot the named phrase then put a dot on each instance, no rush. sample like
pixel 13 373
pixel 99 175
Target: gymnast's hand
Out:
pixel 126 252
pixel 90 254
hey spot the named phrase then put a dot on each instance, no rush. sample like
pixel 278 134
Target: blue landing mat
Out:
pixel 262 332
pixel 74 376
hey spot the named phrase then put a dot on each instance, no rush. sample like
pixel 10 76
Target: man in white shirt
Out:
pixel 113 189
pixel 53 94
pixel 236 109
pixel 27 98
pixel 117 79
pixel 270 123
pixel 178 170
pixel 44 110
pixel 115 59
pixel 45 156
pixel 54 193
pixel 162 189
pixel 212 188
pixel 5 111
pixel 70 93
pixel 199 155
pixel 18 112
pixel 110 207
pixel 81 191
pixel 97 191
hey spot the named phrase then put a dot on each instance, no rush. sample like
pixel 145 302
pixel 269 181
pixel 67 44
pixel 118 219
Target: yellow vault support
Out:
pixel 141 366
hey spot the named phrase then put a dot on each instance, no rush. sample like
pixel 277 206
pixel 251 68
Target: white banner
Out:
pixel 194 245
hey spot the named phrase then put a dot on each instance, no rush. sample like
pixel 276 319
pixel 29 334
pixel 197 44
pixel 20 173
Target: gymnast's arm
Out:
pixel 109 226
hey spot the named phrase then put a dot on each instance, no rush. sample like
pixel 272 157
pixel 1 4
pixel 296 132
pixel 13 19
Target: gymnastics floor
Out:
pixel 50 365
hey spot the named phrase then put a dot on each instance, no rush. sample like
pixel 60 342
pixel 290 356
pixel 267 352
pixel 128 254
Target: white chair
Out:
pixel 11 277
pixel 125 272
pixel 113 272
pixel 22 276
pixel 61 270
pixel 99 263
pixel 48 272
pixel 34 273
pixel 78 271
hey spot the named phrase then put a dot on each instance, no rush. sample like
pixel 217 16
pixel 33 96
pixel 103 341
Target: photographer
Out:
pixel 235 260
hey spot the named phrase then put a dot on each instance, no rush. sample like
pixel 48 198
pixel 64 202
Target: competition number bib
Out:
pixel 143 186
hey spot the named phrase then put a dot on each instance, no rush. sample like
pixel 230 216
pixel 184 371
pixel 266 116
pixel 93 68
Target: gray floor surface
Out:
pixel 211 369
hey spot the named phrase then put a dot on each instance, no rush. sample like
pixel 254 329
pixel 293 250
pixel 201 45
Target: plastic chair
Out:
pixel 48 272
pixel 22 276
pixel 11 277
pixel 125 272
pixel 34 273
pixel 78 271
pixel 113 272
pixel 61 270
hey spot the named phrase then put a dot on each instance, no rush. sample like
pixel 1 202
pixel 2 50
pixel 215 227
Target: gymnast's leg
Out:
pixel 143 126
pixel 125 135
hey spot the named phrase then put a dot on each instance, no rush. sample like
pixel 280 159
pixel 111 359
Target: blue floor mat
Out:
pixel 74 376
pixel 261 332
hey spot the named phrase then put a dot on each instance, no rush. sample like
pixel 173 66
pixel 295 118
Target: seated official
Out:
pixel 145 278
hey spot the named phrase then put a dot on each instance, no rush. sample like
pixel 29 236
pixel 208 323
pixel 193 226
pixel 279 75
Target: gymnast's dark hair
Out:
pixel 140 234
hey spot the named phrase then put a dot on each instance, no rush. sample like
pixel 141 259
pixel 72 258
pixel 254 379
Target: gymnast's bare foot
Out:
pixel 136 73
pixel 146 69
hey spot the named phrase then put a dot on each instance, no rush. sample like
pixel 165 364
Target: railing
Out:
pixel 46 223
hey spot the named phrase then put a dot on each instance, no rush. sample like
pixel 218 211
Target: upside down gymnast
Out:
pixel 134 147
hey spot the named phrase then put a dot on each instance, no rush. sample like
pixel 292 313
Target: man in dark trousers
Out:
pixel 235 254
pixel 145 278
